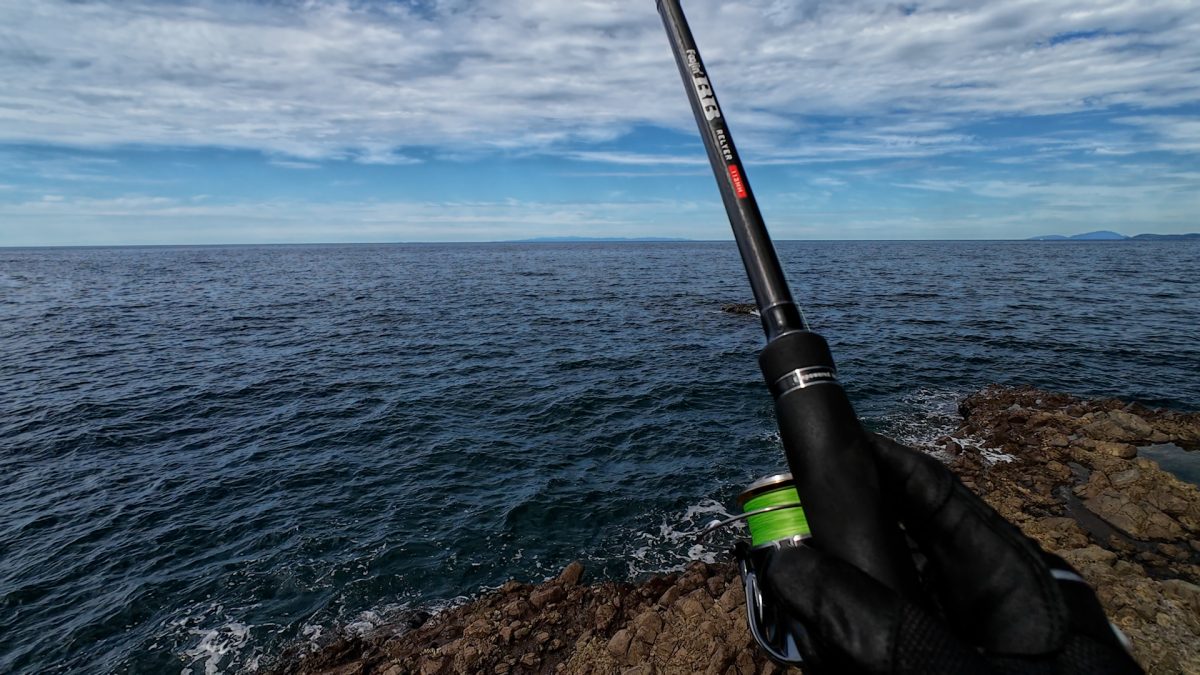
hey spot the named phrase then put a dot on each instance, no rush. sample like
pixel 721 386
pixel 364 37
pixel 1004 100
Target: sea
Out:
pixel 209 455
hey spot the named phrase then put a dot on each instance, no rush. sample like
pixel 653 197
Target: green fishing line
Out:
pixel 782 524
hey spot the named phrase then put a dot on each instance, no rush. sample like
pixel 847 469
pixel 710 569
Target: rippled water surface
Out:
pixel 210 453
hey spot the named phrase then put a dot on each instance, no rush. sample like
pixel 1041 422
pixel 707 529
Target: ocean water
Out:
pixel 208 454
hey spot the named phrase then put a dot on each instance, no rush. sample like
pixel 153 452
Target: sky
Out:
pixel 297 121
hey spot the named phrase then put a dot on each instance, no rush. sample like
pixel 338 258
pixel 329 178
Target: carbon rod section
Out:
pixel 776 308
pixel 827 449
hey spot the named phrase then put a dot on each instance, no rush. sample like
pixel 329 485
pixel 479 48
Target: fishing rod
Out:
pixel 833 474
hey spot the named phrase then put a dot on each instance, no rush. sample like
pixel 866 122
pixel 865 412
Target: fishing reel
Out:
pixel 772 512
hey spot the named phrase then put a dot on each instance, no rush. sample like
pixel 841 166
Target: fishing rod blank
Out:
pixel 826 446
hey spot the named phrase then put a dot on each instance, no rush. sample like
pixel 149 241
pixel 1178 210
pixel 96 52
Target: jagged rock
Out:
pixel 1135 427
pixel 1114 449
pixel 618 645
pixel 740 308
pixel 571 574
pixel 544 596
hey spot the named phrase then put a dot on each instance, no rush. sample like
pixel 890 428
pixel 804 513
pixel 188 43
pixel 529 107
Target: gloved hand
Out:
pixel 997 602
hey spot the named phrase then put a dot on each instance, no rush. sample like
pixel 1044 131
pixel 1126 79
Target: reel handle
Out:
pixel 831 463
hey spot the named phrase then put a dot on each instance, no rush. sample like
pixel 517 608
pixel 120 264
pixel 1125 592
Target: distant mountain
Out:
pixel 1108 235
pixel 1099 235
pixel 1167 237
pixel 577 240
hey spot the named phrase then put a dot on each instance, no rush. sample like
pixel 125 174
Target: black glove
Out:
pixel 997 603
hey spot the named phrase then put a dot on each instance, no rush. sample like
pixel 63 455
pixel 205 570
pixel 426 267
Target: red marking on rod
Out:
pixel 739 185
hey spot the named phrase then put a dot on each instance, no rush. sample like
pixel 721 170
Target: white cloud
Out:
pixel 294 164
pixel 141 219
pixel 1173 133
pixel 340 79
pixel 637 159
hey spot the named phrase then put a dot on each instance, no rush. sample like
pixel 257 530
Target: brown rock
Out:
pixel 604 616
pixel 716 586
pixel 430 666
pixel 1139 520
pixel 740 308
pixel 647 625
pixel 618 645
pixel 670 595
pixel 516 608
pixel 733 598
pixel 480 628
pixel 546 595
pixel 571 574
pixel 638 651
pixel 690 606
pixel 1119 450
pixel 1111 448
pixel 1135 427
pixel 1184 591
pixel 1091 554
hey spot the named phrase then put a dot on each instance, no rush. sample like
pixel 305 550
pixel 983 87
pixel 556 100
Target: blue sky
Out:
pixel 215 121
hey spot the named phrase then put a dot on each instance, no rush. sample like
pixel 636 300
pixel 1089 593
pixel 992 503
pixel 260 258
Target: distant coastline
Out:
pixel 1089 236
pixel 584 240
pixel 1108 235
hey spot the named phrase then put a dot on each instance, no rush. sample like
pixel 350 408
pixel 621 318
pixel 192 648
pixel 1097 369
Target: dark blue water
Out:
pixel 210 453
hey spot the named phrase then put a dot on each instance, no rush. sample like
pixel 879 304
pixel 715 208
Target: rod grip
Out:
pixel 831 463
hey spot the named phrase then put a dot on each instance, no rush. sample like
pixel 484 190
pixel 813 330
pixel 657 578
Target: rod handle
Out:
pixel 831 462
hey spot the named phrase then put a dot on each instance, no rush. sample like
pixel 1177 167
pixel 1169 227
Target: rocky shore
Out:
pixel 1067 471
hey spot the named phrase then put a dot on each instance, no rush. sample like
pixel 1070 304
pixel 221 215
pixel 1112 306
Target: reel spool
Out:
pixel 775 518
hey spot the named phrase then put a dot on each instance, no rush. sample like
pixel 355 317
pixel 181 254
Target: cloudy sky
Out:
pixel 231 121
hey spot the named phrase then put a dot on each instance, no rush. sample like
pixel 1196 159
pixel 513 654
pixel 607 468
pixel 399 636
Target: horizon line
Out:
pixel 584 240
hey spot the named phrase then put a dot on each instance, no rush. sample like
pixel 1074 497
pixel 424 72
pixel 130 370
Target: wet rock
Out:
pixel 571 574
pixel 544 596
pixel 740 308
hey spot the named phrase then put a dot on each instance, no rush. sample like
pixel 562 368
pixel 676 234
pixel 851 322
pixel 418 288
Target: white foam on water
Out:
pixel 217 649
pixel 364 624
pixel 924 416
pixel 929 415
pixel 208 638
pixel 994 456
pixel 674 545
